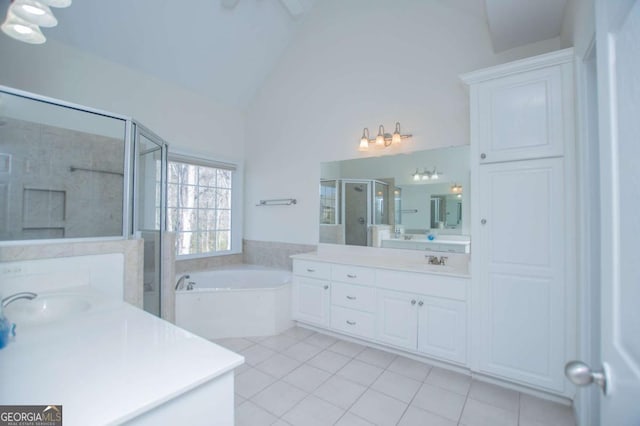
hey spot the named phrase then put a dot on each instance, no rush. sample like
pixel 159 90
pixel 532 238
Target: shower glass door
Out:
pixel 149 210
pixel 356 213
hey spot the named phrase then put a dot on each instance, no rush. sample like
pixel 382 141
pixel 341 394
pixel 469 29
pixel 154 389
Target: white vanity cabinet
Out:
pixel 311 292
pixel 422 313
pixel 522 215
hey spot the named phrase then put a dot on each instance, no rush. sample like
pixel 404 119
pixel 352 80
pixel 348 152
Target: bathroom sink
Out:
pixel 46 308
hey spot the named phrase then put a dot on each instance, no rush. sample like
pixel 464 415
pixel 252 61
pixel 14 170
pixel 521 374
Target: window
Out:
pixel 199 196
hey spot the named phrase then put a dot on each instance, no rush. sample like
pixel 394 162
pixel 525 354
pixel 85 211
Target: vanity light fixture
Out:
pixel 382 139
pixel 456 188
pixel 426 175
pixel 25 17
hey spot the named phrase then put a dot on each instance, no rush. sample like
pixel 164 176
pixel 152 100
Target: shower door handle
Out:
pixel 361 220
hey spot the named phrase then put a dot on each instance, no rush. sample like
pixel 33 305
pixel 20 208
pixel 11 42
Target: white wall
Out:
pixel 187 121
pixel 355 64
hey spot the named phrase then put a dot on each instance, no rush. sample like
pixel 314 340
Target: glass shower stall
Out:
pixel 73 172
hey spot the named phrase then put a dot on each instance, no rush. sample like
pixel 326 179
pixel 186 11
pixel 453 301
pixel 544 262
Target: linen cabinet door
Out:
pixel 397 318
pixel 521 285
pixel 442 326
pixel 311 300
pixel 522 116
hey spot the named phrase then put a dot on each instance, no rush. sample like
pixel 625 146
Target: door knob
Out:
pixel 483 156
pixel 580 374
pixel 483 221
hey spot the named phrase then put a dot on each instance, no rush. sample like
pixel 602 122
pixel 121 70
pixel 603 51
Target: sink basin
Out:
pixel 46 308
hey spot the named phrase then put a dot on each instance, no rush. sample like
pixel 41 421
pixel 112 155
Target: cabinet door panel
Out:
pixel 397 318
pixel 522 115
pixel 311 300
pixel 521 286
pixel 442 329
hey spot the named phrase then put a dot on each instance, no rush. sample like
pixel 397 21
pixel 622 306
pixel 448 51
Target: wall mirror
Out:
pixel 403 197
pixel 62 172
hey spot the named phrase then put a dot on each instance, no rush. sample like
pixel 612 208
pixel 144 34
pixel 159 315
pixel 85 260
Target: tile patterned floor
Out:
pixel 305 378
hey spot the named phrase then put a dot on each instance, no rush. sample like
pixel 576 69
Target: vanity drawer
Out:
pixel 311 269
pixel 353 274
pixel 352 322
pixel 353 296
pixel 424 283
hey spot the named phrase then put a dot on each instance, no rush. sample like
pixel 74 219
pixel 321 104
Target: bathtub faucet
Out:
pixel 180 282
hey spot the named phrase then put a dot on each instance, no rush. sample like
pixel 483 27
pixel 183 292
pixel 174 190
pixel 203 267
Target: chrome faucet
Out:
pixel 180 282
pixel 22 295
pixel 434 260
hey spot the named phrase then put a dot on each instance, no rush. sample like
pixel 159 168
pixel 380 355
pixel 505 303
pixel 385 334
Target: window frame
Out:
pixel 237 185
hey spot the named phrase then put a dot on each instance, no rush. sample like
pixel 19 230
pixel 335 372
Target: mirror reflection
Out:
pixel 396 201
pixel 61 171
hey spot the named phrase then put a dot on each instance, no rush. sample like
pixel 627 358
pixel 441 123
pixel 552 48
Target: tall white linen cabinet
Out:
pixel 523 223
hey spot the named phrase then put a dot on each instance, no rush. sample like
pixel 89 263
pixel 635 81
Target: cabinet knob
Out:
pixel 483 156
pixel 413 302
pixel 326 287
pixel 420 303
pixel 483 221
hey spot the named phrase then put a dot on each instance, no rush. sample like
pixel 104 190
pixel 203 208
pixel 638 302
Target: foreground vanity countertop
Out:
pixel 108 364
pixel 413 263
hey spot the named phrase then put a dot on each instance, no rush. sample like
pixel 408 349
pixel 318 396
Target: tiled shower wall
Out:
pixel 40 195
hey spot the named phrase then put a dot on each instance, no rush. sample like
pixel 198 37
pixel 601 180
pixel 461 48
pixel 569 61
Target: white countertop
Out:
pixel 107 365
pixel 398 263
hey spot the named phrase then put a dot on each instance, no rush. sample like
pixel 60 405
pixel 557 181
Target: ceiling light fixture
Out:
pixel 22 30
pixel 35 12
pixel 25 17
pixel 382 139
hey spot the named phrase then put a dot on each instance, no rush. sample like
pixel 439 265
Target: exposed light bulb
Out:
pixel 434 175
pixel 425 176
pixel 416 176
pixel 21 29
pixel 33 10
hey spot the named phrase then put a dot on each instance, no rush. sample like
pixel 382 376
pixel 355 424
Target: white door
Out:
pixel 618 45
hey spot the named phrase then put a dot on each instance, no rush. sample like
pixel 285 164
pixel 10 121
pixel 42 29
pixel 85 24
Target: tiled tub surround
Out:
pixel 305 378
pixel 273 254
pixel 184 266
pixel 265 253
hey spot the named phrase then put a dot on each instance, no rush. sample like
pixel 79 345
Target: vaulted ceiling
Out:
pixel 227 53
